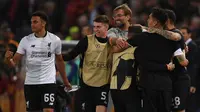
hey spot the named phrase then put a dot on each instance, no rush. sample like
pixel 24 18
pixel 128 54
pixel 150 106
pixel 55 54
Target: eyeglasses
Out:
pixel 118 15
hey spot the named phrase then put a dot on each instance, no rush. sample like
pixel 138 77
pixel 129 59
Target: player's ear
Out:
pixel 107 26
pixel 128 17
pixel 190 34
pixel 43 23
pixel 168 21
pixel 155 23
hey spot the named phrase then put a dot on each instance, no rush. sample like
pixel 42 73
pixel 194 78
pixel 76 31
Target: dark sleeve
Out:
pixel 192 66
pixel 182 43
pixel 177 46
pixel 152 66
pixel 80 48
pixel 136 40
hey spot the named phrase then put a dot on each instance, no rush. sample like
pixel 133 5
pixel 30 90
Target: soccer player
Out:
pixel 41 50
pixel 123 76
pixel 157 85
pixel 180 77
pixel 94 50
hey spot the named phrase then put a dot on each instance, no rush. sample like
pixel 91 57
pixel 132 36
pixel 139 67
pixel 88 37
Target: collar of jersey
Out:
pixel 43 36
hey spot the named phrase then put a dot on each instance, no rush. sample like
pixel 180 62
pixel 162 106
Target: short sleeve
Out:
pixel 58 49
pixel 111 33
pixel 22 46
pixel 178 52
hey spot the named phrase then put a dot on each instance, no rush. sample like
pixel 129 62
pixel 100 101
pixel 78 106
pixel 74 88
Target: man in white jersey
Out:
pixel 41 50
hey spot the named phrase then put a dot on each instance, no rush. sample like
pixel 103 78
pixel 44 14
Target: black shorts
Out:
pixel 40 96
pixel 126 100
pixel 180 92
pixel 156 100
pixel 94 96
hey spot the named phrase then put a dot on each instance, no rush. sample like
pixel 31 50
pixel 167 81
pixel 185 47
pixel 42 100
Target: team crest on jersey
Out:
pixel 49 45
pixel 97 46
pixel 44 53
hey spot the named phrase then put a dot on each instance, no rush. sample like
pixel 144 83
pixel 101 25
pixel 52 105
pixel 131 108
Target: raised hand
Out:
pixel 9 54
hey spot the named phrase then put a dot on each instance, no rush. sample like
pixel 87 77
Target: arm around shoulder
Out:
pixel 165 33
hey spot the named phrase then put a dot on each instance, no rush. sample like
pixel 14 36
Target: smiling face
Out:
pixel 120 18
pixel 37 24
pixel 100 29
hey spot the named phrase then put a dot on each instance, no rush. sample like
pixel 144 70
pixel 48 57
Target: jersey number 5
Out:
pixel 103 95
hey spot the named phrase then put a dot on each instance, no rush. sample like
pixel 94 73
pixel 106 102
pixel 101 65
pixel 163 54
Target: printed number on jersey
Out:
pixel 49 97
pixel 176 101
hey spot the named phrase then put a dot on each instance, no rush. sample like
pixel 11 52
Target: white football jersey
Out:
pixel 40 58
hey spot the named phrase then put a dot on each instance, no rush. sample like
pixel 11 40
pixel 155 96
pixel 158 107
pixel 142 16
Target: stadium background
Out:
pixel 71 20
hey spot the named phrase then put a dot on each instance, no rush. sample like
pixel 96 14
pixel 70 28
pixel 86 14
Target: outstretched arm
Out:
pixel 81 47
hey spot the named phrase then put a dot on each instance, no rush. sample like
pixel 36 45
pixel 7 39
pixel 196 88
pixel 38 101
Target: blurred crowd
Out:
pixel 68 18
pixel 72 20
